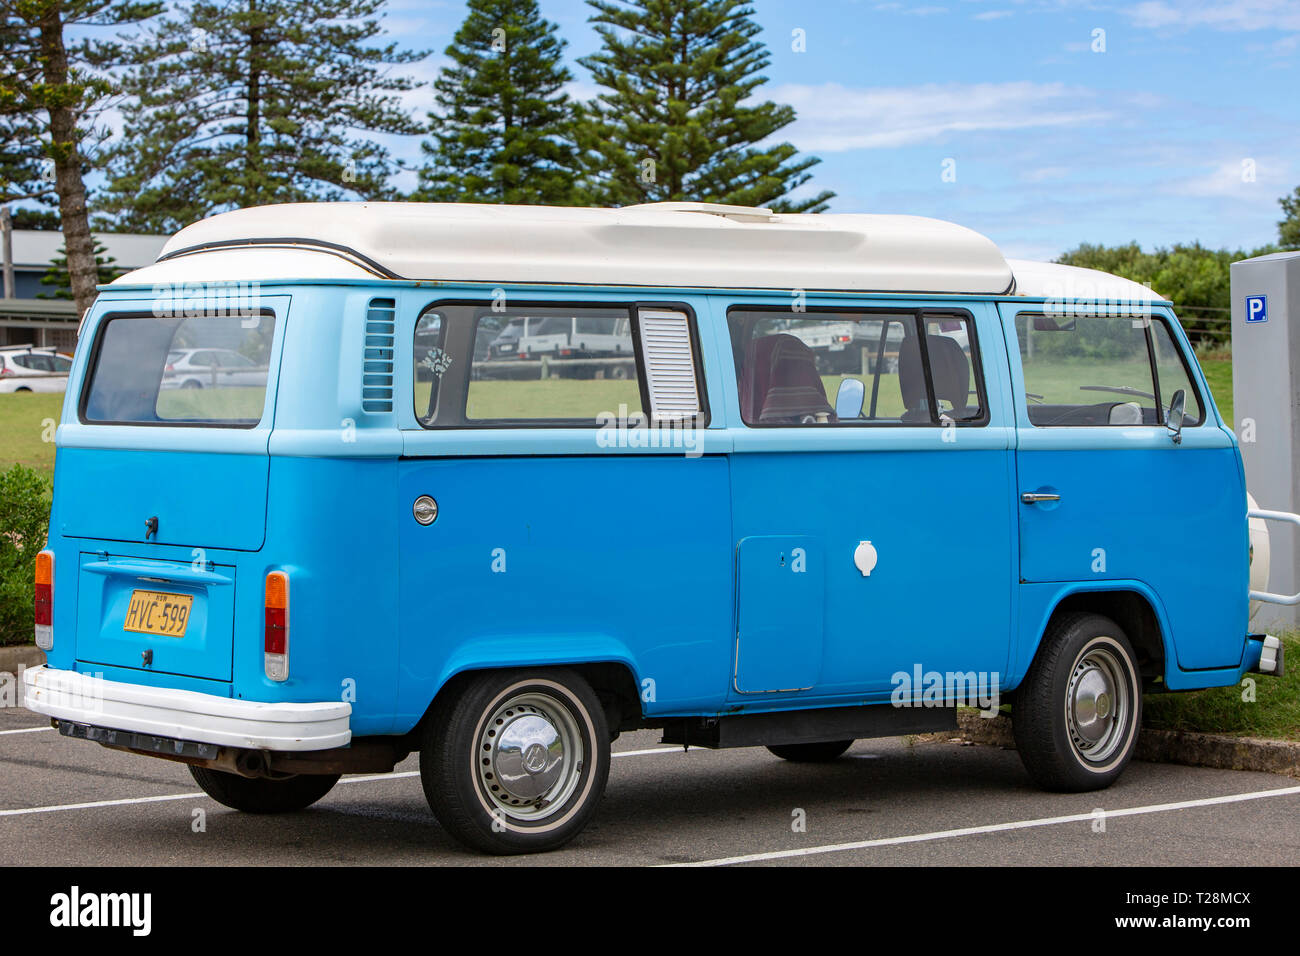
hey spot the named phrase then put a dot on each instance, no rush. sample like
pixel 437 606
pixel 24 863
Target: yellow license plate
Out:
pixel 158 612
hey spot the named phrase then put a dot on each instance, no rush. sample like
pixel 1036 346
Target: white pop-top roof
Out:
pixel 664 244
pixel 1051 280
pixel 684 245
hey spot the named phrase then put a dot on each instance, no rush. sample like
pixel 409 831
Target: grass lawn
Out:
pixel 1218 372
pixel 228 403
pixel 1275 712
pixel 579 399
pixel 27 422
pixel 582 399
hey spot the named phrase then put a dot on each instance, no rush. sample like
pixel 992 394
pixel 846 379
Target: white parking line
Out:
pixel 100 803
pixel 991 828
pixel 367 777
pixel 653 750
pixel 362 778
pixel 24 730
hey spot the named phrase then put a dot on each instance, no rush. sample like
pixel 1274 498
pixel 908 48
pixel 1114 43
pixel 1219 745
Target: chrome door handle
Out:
pixel 1033 497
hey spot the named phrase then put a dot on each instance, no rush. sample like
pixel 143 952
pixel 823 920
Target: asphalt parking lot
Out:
pixel 887 802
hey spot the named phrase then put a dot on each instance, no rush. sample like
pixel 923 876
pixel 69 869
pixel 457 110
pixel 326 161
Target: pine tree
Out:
pixel 42 220
pixel 503 128
pixel 247 102
pixel 25 170
pixel 676 119
pixel 55 83
pixel 57 274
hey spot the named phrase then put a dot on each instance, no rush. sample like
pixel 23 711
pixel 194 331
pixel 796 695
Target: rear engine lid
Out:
pixel 167 617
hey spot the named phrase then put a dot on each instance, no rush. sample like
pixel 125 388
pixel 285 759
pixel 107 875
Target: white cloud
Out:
pixel 833 117
pixel 1259 179
pixel 420 100
pixel 1287 45
pixel 1044 174
pixel 583 90
pixel 1218 15
pixel 925 11
pixel 993 14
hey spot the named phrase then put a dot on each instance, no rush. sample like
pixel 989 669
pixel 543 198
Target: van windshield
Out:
pixel 198 370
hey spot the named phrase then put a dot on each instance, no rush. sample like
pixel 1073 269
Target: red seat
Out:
pixel 780 384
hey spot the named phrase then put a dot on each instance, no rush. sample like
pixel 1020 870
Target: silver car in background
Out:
pixel 211 368
pixel 31 368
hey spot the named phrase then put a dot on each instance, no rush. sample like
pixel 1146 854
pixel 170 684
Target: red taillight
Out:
pixel 45 600
pixel 276 634
pixel 170 369
pixel 44 605
pixel 842 338
pixel 276 641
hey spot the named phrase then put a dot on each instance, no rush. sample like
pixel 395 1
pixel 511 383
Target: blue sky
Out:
pixel 1186 127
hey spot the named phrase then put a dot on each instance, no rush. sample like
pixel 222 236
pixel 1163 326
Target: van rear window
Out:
pixel 196 370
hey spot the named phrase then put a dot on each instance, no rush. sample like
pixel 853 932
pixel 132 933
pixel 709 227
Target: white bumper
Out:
pixel 185 714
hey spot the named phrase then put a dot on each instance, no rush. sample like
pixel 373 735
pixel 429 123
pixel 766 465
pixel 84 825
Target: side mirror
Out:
pixel 1174 420
pixel 848 400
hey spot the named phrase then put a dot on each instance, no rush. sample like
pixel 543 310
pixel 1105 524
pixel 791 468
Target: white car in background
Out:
pixel 211 368
pixel 30 368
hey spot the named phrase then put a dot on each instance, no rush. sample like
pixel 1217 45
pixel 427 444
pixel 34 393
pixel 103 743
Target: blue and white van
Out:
pixel 1011 487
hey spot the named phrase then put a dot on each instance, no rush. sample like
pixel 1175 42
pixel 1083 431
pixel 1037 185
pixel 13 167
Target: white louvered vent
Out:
pixel 669 365
pixel 377 360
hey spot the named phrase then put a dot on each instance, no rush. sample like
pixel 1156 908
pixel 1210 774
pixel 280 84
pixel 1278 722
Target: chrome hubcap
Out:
pixel 1098 705
pixel 530 756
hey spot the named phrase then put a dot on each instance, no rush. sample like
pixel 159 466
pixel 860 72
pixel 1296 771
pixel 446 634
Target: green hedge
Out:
pixel 24 520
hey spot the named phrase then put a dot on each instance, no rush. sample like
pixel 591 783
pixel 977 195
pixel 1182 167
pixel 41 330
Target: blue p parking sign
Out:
pixel 1256 308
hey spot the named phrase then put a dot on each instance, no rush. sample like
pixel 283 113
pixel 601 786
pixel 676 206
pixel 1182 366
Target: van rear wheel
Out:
pixel 263 794
pixel 811 753
pixel 516 761
pixel 1078 712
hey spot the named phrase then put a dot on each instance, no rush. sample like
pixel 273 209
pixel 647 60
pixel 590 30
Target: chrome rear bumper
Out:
pixel 186 715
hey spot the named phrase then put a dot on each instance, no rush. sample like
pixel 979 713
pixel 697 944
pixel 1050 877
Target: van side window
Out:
pixel 525 365
pixel 1101 370
pixel 792 368
pixel 430 361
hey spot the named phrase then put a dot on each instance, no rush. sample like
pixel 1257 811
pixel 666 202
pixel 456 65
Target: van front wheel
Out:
pixel 516 761
pixel 263 794
pixel 1077 714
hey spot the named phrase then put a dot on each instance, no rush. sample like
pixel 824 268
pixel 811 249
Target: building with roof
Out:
pixel 28 319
